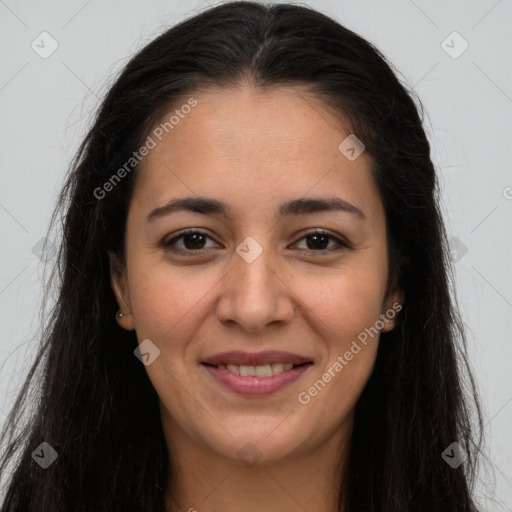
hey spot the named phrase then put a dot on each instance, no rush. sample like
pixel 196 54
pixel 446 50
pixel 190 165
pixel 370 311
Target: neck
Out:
pixel 202 480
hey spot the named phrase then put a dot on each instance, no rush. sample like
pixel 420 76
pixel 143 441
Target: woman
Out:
pixel 254 309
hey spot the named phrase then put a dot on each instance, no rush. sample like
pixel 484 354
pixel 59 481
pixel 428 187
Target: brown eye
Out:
pixel 191 241
pixel 318 241
pixel 194 241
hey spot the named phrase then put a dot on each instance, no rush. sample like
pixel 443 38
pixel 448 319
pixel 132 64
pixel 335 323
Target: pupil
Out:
pixel 316 237
pixel 196 238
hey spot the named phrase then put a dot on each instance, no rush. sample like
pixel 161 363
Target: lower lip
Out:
pixel 256 386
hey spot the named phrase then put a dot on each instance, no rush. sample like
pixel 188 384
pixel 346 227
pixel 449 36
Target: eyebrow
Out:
pixel 302 206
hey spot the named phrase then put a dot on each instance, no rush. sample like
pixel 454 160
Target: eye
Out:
pixel 320 241
pixel 194 241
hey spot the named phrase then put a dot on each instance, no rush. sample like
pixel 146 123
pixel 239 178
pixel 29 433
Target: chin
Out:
pixel 259 440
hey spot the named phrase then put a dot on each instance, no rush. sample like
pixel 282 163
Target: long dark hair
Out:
pixel 92 400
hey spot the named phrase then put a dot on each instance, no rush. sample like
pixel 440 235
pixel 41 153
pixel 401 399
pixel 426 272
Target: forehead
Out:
pixel 226 122
pixel 254 143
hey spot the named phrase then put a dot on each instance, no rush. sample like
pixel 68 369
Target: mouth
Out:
pixel 256 374
pixel 264 370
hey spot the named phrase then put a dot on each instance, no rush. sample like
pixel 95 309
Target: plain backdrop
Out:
pixel 457 56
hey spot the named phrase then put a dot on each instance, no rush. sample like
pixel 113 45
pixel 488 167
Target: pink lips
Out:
pixel 253 385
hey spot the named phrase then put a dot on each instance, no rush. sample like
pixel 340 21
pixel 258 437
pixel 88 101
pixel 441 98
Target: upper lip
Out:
pixel 255 358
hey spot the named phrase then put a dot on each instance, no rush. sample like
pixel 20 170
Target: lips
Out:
pixel 254 385
pixel 256 359
pixel 256 374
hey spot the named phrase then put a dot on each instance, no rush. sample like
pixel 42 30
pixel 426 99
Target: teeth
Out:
pixel 265 370
pixel 247 370
pixel 234 368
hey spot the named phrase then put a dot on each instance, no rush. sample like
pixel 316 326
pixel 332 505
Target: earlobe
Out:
pixel 119 286
pixel 393 306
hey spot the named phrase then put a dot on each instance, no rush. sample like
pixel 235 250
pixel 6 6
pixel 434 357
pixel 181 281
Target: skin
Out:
pixel 254 150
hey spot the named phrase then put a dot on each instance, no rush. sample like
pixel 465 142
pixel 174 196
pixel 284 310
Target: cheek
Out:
pixel 164 300
pixel 344 302
pixel 168 300
pixel 347 314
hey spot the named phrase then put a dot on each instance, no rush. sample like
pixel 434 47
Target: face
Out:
pixel 265 281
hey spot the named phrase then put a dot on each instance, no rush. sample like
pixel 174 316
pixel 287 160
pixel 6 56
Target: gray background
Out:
pixel 46 105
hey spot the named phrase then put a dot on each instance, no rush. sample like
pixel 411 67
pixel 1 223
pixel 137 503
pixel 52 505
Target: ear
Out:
pixel 119 283
pixel 392 306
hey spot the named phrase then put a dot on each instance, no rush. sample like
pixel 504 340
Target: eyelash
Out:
pixel 168 245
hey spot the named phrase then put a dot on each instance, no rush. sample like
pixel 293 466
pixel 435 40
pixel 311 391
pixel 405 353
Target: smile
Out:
pixel 265 370
pixel 262 374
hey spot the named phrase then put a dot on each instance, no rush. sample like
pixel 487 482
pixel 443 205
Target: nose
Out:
pixel 255 294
